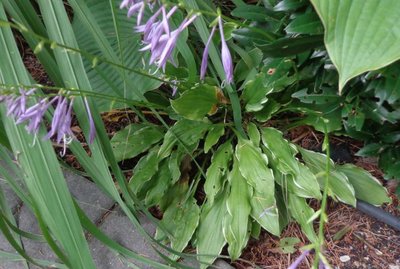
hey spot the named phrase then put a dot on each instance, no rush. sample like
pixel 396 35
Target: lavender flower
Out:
pixel 16 105
pixel 34 116
pixel 204 60
pixel 225 54
pixel 299 259
pixel 61 124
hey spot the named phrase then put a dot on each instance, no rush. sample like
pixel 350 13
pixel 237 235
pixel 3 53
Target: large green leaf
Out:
pixel 211 241
pixel 360 35
pixel 196 103
pixel 130 142
pixel 366 187
pixel 236 222
pixel 95 30
pixel 181 220
pixel 217 171
pixel 302 213
pixel 281 150
pixel 253 164
pixel 339 185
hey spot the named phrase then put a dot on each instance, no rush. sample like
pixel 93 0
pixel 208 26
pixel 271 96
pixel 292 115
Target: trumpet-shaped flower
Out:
pixel 225 55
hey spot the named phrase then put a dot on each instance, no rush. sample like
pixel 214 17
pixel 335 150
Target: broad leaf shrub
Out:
pixel 211 159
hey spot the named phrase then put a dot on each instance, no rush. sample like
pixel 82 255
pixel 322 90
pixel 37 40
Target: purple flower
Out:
pixel 299 260
pixel 225 54
pixel 204 60
pixel 16 105
pixel 34 116
pixel 61 123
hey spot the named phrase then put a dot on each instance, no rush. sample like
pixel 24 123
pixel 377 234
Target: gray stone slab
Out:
pixel 119 228
pixel 89 197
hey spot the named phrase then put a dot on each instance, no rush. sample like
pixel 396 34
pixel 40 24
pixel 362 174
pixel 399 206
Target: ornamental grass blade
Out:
pixel 43 177
pixel 360 35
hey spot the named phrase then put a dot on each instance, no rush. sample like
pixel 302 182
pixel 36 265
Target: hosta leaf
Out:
pixel 304 183
pixel 253 165
pixel 339 185
pixel 264 209
pixel 366 186
pixel 273 79
pixel 186 131
pixel 158 185
pixel 360 35
pixel 302 213
pixel 181 220
pixel 314 160
pixel 254 134
pixel 216 173
pixel 282 152
pixel 130 142
pixel 195 103
pixel 213 136
pixel 211 241
pixel 144 170
pixel 236 222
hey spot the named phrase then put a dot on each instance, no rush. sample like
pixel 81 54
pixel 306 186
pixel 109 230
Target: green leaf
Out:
pixel 216 173
pixel 304 183
pixel 264 209
pixel 360 35
pixel 187 131
pixel 254 134
pixel 236 223
pixel 132 141
pixel 158 185
pixel 366 186
pixel 211 241
pixel 301 212
pixel 256 13
pixel 288 46
pixel 273 79
pixel 287 244
pixel 339 185
pixel 253 165
pixel 213 135
pixel 181 220
pixel 195 103
pixel 95 29
pixel 307 23
pixel 144 170
pixel 281 150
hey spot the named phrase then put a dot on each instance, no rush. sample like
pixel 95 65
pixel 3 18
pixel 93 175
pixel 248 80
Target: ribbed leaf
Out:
pixel 95 30
pixel 360 35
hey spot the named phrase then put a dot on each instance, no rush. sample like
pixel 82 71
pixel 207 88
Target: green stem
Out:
pixel 323 218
